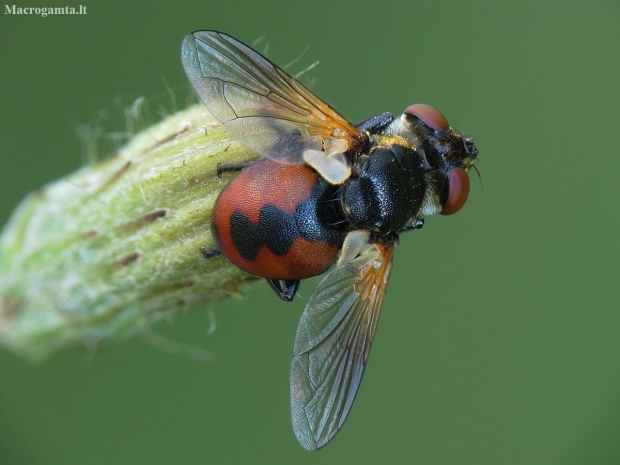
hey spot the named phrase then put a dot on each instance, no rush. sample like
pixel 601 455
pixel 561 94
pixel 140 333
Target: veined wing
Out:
pixel 262 106
pixel 333 342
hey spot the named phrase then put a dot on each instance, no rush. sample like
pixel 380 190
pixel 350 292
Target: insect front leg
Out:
pixel 416 223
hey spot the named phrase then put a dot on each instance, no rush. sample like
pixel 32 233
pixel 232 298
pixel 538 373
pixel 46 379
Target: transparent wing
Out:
pixel 260 104
pixel 332 345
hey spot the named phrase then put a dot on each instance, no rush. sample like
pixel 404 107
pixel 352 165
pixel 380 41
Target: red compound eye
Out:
pixel 458 191
pixel 430 115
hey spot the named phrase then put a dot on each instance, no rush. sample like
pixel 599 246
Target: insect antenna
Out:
pixel 479 177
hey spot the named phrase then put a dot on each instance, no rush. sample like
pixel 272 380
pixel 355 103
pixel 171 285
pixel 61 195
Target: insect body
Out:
pixel 326 191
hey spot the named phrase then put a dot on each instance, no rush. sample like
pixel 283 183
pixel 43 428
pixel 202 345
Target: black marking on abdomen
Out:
pixel 275 229
pixel 314 219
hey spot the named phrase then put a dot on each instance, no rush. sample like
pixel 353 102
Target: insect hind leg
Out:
pixel 230 167
pixel 210 253
pixel 285 288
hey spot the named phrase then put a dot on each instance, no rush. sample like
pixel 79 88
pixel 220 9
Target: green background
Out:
pixel 499 341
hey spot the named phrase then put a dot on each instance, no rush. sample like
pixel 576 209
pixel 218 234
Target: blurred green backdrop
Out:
pixel 499 341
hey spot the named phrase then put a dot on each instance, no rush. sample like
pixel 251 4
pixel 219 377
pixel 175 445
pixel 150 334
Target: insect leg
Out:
pixel 228 167
pixel 417 223
pixel 209 253
pixel 286 289
pixel 374 124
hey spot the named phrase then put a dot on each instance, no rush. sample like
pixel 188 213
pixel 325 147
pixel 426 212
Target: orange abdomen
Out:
pixel 279 221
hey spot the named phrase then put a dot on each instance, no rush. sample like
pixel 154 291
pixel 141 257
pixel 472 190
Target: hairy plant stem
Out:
pixel 115 246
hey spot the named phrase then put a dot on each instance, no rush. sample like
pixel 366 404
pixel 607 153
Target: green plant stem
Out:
pixel 115 246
